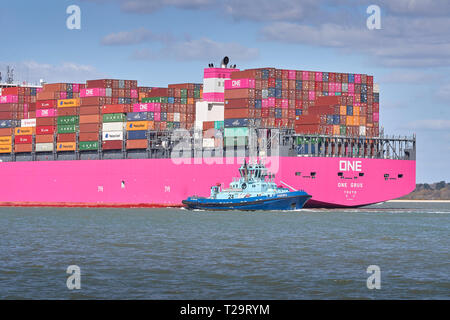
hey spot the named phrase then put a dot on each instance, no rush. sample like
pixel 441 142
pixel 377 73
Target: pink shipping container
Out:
pixel 157 107
pixel 133 93
pixel 376 116
pixel 143 107
pixel 318 76
pixel 357 78
pixel 271 102
pixel 265 103
pixel 41 113
pixel 157 116
pixel 240 84
pixel 305 75
pixel 9 99
pixel 214 97
pixel 75 87
pixel 63 95
pixel 218 73
pixel 284 103
pixel 338 87
pixel 292 75
pixel 351 88
pixel 93 92
pixel 312 95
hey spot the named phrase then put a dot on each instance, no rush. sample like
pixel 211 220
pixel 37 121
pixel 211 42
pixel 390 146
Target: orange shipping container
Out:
pixel 23 148
pixel 66 146
pixel 343 110
pixel 68 103
pixel 114 108
pixel 5 140
pixel 137 125
pixel 25 131
pixel 93 118
pixel 47 95
pixel 136 144
pixel 45 138
pixel 151 125
pixel 5 148
pixel 336 130
pixel 355 111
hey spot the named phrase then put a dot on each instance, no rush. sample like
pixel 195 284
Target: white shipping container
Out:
pixel 176 117
pixel 28 123
pixel 44 147
pixel 362 130
pixel 113 126
pixel 112 135
pixel 376 88
pixel 208 143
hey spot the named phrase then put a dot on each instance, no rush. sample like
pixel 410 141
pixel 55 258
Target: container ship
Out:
pixel 112 143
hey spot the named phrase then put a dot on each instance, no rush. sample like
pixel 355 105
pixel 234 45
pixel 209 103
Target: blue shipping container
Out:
pixel 137 116
pixel 349 110
pixel 236 122
pixel 136 135
pixel 5 123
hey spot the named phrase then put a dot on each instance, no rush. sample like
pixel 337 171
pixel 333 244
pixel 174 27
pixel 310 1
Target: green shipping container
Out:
pixel 218 124
pixel 88 145
pixel 114 117
pixel 183 93
pixel 197 94
pixel 236 132
pixel 155 99
pixel 183 100
pixel 343 130
pixel 67 128
pixel 68 120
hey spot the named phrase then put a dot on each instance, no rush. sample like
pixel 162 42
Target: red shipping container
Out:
pixel 45 121
pixel 68 111
pixel 23 139
pixel 8 115
pixel 114 108
pixel 112 145
pixel 46 104
pixel 88 136
pixel 90 110
pixel 45 130
pixel 66 137
pixel 239 103
pixel 90 127
pixel 95 101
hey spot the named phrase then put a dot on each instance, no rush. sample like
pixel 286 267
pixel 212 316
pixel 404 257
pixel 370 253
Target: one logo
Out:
pixel 346 165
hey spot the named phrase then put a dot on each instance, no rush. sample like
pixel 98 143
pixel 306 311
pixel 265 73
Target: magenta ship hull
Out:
pixel 332 181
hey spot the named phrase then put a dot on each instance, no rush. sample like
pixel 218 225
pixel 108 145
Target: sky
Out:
pixel 158 42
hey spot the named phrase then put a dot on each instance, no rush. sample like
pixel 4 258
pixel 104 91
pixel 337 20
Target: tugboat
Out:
pixel 255 189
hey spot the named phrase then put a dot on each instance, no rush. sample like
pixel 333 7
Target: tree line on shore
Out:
pixel 433 191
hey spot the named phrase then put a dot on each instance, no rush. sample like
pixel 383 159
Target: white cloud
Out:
pixel 430 124
pixel 197 49
pixel 137 36
pixel 32 71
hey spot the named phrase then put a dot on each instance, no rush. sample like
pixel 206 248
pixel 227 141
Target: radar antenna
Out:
pixel 9 75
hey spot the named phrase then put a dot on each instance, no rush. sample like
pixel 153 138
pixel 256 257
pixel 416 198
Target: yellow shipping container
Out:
pixel 349 121
pixel 5 148
pixel 137 125
pixel 68 103
pixel 5 141
pixel 24 131
pixel 355 120
pixel 362 121
pixel 343 110
pixel 336 130
pixel 190 100
pixel 356 111
pixel 66 146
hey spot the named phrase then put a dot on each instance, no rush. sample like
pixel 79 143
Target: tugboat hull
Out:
pixel 290 201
